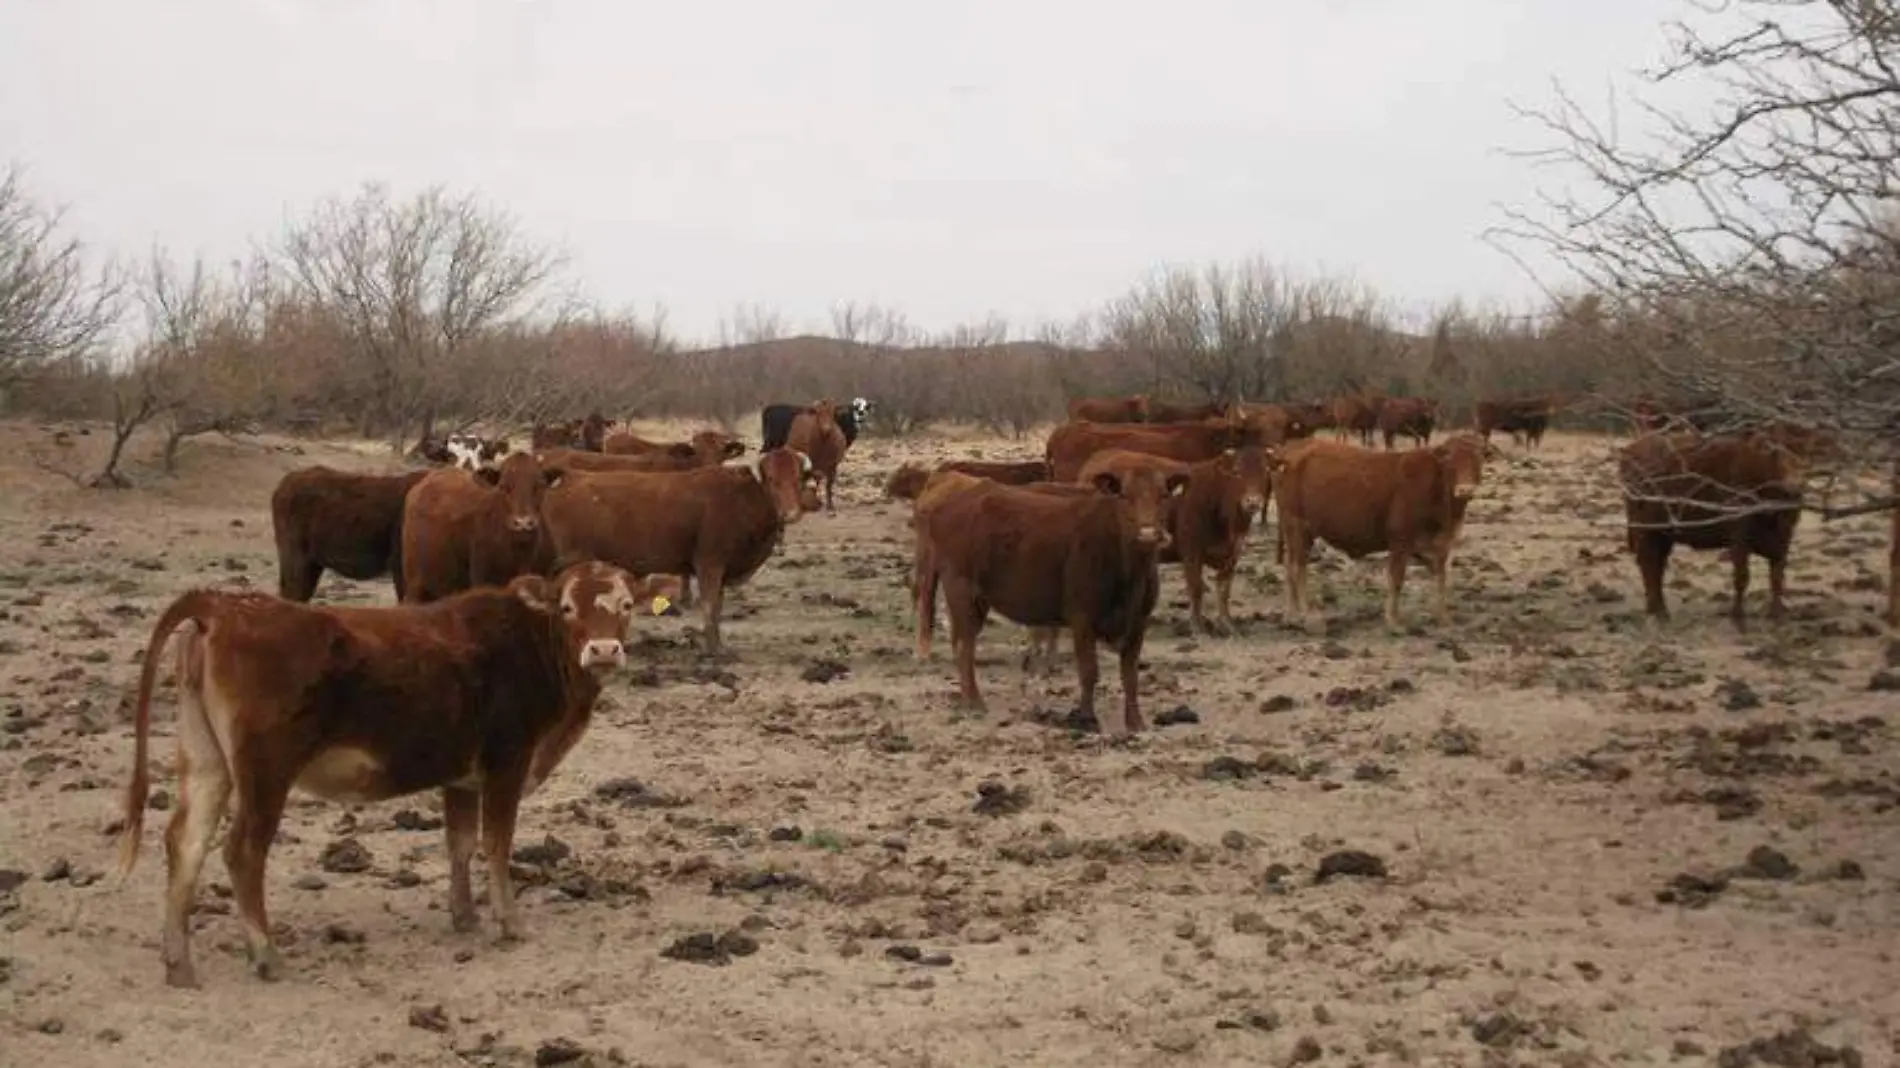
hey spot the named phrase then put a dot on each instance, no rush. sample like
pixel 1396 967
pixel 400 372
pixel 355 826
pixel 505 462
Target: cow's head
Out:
pixel 523 482
pixel 593 432
pixel 1146 490
pixel 905 483
pixel 1253 467
pixel 713 447
pixel 860 409
pixel 783 471
pixel 1461 459
pixel 595 603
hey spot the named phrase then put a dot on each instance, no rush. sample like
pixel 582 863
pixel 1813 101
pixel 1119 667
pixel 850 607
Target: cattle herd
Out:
pixel 519 573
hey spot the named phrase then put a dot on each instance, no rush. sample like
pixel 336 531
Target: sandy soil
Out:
pixel 1600 845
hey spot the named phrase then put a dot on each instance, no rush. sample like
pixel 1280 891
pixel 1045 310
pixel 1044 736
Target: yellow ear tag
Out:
pixel 661 603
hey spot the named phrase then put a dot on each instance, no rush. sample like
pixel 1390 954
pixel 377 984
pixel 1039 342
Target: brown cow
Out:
pixel 678 456
pixel 709 447
pixel 939 487
pixel 1087 563
pixel 816 435
pixel 1410 417
pixel 1208 523
pixel 1071 444
pixel 1276 423
pixel 461 530
pixel 348 522
pixel 1132 409
pixel 1740 493
pixel 908 481
pixel 1406 504
pixel 1356 414
pixel 1315 416
pixel 715 524
pixel 481 695
pixel 587 435
pixel 1524 418
pixel 1170 412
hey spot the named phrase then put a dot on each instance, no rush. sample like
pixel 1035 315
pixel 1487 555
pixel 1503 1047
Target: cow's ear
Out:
pixel 804 463
pixel 487 476
pixel 1108 483
pixel 735 448
pixel 552 476
pixel 1176 483
pixel 535 592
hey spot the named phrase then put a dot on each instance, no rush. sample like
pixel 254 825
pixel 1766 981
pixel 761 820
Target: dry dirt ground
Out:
pixel 1599 845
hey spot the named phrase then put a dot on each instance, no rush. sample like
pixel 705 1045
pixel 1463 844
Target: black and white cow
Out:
pixel 775 422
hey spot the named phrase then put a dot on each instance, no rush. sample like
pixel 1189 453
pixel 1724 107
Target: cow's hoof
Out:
pixel 464 922
pixel 181 975
pixel 267 965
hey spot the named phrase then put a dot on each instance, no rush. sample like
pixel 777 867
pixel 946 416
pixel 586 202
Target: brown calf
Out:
pixel 1170 412
pixel 908 481
pixel 1208 523
pixel 587 435
pixel 715 524
pixel 1524 419
pixel 1132 409
pixel 480 695
pixel 1740 493
pixel 816 435
pixel 350 523
pixel 707 447
pixel 1405 504
pixel 1087 563
pixel 1409 417
pixel 1071 444
pixel 1356 414
pixel 461 530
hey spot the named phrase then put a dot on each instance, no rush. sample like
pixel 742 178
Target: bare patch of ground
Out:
pixel 1541 834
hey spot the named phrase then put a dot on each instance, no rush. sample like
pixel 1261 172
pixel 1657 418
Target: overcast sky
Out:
pixel 952 159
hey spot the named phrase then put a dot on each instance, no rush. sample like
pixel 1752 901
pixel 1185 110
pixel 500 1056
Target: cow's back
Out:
pixel 438 519
pixel 1343 494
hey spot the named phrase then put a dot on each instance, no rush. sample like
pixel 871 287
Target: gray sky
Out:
pixel 950 159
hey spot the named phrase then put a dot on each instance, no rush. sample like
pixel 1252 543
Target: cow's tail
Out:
pixel 926 580
pixel 191 607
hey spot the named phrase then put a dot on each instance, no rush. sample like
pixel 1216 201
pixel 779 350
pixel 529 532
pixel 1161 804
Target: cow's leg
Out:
pixel 1395 564
pixel 1088 671
pixel 1193 570
pixel 831 484
pixel 1224 590
pixel 1441 578
pixel 1131 680
pixel 686 590
pixel 461 822
pixel 204 788
pixel 261 792
pixel 712 593
pixel 1652 559
pixel 1777 587
pixel 1738 610
pixel 298 575
pixel 966 619
pixel 501 801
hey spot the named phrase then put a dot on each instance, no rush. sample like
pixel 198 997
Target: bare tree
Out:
pixel 1750 255
pixel 203 360
pixel 1216 329
pixel 53 306
pixel 876 346
pixel 415 283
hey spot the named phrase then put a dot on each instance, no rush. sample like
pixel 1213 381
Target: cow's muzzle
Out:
pixel 603 654
pixel 524 524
